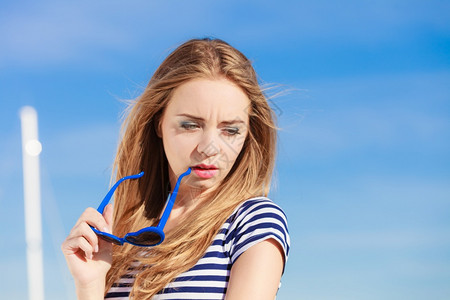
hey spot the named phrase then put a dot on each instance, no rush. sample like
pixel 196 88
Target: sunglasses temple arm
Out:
pixel 171 201
pixel 108 196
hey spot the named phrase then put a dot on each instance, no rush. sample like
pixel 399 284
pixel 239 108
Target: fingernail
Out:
pixel 90 256
pixel 96 248
pixel 106 229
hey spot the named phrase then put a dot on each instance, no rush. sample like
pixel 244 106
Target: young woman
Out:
pixel 202 112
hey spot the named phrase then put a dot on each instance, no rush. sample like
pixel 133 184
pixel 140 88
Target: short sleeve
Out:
pixel 257 220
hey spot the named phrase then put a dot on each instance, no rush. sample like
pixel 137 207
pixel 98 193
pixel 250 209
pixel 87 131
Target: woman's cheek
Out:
pixel 185 146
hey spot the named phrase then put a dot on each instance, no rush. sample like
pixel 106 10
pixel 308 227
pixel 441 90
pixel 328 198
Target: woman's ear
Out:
pixel 158 122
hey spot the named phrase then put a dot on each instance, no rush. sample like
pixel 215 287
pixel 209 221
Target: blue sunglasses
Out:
pixel 148 236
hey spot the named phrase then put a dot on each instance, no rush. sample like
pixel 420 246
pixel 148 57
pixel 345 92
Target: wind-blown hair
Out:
pixel 139 203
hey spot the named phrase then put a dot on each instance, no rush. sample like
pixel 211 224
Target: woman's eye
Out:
pixel 232 130
pixel 189 125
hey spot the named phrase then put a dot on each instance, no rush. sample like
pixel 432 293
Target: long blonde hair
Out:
pixel 139 203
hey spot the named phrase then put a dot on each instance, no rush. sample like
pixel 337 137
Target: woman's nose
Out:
pixel 209 144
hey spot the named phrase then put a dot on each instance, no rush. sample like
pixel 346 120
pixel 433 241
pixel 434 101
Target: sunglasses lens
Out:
pixel 146 238
pixel 110 239
pixel 107 237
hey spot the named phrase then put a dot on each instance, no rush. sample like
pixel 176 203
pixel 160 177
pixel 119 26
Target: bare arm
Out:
pixel 257 272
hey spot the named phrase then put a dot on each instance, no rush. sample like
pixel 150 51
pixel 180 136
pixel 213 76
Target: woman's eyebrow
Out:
pixel 190 116
pixel 234 121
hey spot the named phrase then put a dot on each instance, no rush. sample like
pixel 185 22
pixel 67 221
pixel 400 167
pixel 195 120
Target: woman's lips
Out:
pixel 205 171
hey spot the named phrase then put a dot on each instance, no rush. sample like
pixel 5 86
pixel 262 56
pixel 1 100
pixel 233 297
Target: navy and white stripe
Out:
pixel 256 220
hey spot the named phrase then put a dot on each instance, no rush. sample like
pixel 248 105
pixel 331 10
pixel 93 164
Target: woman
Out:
pixel 203 111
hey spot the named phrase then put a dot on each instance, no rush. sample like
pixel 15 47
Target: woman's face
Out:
pixel 204 127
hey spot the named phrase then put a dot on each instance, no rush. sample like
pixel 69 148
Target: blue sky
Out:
pixel 363 170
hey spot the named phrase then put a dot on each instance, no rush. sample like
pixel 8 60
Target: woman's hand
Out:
pixel 89 257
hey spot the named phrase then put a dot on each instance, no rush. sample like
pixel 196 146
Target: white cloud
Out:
pixel 61 31
pixel 56 31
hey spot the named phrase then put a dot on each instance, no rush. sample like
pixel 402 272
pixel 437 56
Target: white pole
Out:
pixel 31 148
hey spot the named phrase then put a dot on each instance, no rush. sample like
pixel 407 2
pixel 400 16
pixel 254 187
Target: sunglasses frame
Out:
pixel 159 229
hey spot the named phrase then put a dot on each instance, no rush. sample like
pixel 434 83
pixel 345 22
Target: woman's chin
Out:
pixel 204 185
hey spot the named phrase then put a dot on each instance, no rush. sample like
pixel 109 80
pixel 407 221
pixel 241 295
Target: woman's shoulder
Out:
pixel 257 206
pixel 255 220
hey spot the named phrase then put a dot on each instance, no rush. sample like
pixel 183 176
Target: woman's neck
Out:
pixel 188 199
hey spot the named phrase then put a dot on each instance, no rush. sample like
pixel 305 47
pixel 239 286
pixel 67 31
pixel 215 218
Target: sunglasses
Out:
pixel 148 236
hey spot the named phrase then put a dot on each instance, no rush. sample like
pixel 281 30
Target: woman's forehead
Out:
pixel 210 98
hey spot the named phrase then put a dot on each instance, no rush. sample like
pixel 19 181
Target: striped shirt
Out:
pixel 256 220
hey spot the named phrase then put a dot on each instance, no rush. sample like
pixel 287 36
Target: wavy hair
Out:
pixel 139 203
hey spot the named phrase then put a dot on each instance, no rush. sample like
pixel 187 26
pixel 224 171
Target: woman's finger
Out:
pixel 86 231
pixel 92 217
pixel 75 244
